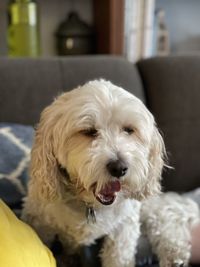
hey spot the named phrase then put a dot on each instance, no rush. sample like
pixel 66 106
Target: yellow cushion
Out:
pixel 19 244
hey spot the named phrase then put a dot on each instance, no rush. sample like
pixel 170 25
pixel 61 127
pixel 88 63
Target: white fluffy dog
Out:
pixel 97 153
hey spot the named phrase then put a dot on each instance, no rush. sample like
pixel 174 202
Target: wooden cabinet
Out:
pixel 109 26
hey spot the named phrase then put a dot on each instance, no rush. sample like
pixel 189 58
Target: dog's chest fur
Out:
pixel 71 222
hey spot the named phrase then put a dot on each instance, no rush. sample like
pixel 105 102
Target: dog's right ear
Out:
pixel 44 172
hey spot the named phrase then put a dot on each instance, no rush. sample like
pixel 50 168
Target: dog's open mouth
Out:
pixel 107 195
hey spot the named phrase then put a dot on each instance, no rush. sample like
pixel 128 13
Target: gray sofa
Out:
pixel 170 87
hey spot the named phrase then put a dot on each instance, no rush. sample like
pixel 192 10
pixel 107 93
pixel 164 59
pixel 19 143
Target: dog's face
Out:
pixel 104 140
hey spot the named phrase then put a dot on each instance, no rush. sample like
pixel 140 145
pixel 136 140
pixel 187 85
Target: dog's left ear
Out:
pixel 157 155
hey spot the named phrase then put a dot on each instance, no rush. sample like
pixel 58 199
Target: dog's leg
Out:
pixel 167 221
pixel 119 247
pixel 169 241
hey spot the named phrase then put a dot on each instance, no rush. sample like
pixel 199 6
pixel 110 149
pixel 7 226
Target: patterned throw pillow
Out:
pixel 15 146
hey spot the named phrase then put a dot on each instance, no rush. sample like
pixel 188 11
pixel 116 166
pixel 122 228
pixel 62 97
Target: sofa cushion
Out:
pixel 15 145
pixel 172 87
pixel 24 93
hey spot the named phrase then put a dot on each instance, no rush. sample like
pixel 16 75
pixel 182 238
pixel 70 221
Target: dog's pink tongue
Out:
pixel 111 188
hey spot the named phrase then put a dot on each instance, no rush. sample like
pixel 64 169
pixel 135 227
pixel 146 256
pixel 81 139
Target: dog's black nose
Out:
pixel 117 168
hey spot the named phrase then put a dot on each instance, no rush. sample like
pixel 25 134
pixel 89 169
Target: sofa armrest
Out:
pixel 172 87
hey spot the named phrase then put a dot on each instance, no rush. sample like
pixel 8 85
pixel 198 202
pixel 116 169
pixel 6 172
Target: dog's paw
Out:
pixel 177 263
pixel 180 264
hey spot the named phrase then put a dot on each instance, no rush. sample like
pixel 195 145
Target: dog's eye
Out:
pixel 90 132
pixel 128 130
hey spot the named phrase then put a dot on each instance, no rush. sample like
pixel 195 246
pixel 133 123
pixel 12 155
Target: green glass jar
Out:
pixel 23 28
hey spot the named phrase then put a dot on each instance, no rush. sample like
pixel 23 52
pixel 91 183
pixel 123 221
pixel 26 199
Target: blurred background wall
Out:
pixel 182 18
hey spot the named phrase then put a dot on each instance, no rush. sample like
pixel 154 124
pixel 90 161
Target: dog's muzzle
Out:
pixel 108 193
pixel 117 169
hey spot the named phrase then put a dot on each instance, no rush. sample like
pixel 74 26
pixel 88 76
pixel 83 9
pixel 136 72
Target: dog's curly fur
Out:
pixel 77 136
pixel 167 221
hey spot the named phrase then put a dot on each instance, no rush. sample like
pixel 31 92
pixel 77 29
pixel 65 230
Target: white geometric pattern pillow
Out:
pixel 15 146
